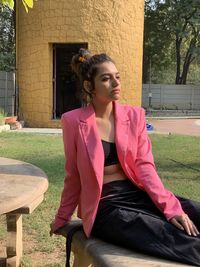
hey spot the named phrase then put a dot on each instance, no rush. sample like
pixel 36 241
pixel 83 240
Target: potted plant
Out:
pixel 10 119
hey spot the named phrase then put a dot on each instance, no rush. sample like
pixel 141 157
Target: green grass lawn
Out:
pixel 177 161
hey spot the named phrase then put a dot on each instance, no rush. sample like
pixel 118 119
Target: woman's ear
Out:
pixel 87 86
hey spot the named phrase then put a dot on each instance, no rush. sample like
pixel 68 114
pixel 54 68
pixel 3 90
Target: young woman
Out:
pixel 111 176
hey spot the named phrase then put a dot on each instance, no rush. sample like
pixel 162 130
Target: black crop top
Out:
pixel 110 153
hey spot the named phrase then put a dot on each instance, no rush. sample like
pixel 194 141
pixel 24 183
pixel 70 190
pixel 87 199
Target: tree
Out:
pixel 185 25
pixel 10 3
pixel 7 33
pixel 157 41
pixel 175 27
pixel 7 39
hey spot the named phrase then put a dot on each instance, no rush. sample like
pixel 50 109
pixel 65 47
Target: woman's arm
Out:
pixel 71 191
pixel 146 172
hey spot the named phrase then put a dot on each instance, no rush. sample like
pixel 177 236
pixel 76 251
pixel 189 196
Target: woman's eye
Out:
pixel 105 79
pixel 118 77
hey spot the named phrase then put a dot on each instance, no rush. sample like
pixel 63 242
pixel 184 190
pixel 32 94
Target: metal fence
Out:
pixel 156 96
pixel 174 97
pixel 7 92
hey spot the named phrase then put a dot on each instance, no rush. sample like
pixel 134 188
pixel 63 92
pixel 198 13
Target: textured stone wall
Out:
pixel 111 26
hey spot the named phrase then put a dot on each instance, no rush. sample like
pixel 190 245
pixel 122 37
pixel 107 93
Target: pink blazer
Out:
pixel 85 163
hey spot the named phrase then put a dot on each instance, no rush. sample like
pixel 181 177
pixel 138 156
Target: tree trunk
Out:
pixel 145 72
pixel 186 69
pixel 178 59
pixel 188 59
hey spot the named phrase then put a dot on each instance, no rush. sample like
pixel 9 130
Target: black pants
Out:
pixel 127 217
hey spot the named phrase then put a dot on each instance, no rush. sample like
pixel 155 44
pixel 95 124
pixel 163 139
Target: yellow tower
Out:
pixel 53 31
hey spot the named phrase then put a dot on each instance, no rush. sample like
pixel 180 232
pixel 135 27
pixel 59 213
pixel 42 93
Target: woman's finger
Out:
pixel 193 228
pixel 188 225
pixel 175 222
pixel 183 222
pixel 51 232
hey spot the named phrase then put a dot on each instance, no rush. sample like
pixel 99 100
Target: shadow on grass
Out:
pixel 187 166
pixel 178 169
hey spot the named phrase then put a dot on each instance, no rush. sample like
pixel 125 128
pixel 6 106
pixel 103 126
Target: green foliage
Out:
pixel 7 39
pixel 27 4
pixel 171 37
pixel 3 114
pixel 157 41
pixel 7 61
pixel 10 3
pixel 7 33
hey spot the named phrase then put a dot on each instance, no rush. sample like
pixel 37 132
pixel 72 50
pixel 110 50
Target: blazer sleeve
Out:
pixel 146 173
pixel 71 191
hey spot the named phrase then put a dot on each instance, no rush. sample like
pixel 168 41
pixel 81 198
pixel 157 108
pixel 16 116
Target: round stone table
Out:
pixel 22 188
pixel 20 183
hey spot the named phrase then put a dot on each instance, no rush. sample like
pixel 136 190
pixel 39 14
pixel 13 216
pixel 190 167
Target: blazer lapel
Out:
pixel 92 141
pixel 92 138
pixel 122 125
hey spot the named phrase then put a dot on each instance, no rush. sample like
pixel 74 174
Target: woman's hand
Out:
pixel 52 229
pixel 184 223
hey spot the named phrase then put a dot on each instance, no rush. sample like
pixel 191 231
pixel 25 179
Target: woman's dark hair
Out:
pixel 85 65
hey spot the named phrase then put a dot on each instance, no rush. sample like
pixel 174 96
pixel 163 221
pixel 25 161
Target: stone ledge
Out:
pixel 4 128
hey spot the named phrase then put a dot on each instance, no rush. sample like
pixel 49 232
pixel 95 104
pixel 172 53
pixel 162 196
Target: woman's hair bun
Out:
pixel 78 59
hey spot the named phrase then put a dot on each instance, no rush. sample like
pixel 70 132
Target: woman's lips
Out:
pixel 115 91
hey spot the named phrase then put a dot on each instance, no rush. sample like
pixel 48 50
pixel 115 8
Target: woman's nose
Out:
pixel 115 82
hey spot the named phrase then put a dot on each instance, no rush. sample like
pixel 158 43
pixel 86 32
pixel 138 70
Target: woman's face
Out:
pixel 107 83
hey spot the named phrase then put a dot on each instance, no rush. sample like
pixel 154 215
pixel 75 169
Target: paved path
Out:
pixel 177 126
pixel 165 125
pixel 39 130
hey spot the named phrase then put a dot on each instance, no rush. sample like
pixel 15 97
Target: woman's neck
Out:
pixel 104 111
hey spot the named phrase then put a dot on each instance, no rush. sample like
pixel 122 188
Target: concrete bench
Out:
pixel 96 253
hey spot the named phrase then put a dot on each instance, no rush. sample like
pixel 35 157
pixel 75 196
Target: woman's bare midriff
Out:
pixel 113 173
